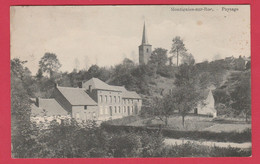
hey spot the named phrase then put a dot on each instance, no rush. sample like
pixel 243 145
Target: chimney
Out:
pixel 80 84
pixel 56 85
pixel 90 88
pixel 37 102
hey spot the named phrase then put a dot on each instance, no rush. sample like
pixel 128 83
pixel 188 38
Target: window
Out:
pixel 132 110
pixel 115 98
pixel 147 50
pixel 124 109
pixel 119 99
pixel 106 98
pixel 115 110
pixel 85 107
pixel 111 99
pixel 119 111
pixel 100 98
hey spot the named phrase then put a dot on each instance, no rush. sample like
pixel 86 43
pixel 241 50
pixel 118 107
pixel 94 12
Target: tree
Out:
pixel 20 104
pixel 186 90
pixel 186 75
pixel 93 71
pixel 164 107
pixel 158 60
pixel 187 98
pixel 241 96
pixel 159 56
pixel 39 74
pixel 129 63
pixel 49 63
pixel 178 48
pixel 188 59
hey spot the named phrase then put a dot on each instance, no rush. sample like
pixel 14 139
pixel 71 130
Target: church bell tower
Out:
pixel 145 49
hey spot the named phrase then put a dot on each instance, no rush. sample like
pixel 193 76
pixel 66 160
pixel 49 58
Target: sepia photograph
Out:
pixel 130 81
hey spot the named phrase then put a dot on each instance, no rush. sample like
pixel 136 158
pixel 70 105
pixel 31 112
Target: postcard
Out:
pixel 130 81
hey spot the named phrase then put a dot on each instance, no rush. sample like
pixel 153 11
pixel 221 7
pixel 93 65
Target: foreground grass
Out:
pixel 192 123
pixel 220 132
pixel 190 149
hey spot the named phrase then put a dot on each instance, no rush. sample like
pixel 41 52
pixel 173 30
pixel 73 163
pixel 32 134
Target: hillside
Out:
pixel 160 86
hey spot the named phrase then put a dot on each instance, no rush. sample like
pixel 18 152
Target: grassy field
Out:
pixel 195 123
pixel 197 128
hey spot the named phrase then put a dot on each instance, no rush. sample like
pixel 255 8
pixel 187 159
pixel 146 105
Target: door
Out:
pixel 196 111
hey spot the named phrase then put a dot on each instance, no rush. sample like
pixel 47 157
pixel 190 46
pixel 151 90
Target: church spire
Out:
pixel 145 49
pixel 144 39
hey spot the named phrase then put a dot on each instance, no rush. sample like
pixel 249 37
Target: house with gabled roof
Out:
pixel 46 110
pixel 92 100
pixel 76 101
pixel 207 105
pixel 113 101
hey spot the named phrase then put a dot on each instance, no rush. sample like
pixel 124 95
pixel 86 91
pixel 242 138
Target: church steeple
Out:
pixel 145 49
pixel 144 39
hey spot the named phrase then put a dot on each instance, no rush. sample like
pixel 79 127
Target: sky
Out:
pixel 104 35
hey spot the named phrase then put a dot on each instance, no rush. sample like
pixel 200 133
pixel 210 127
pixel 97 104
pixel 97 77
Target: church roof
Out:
pixel 76 96
pixel 144 38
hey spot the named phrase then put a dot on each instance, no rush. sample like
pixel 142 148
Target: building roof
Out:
pixel 144 38
pixel 131 94
pixel 205 94
pixel 127 94
pixel 76 96
pixel 48 107
pixel 98 84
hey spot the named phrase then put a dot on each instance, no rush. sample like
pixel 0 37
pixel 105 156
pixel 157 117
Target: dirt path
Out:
pixel 170 141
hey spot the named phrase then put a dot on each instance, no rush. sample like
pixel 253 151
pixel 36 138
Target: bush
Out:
pixel 190 149
pixel 72 140
pixel 122 121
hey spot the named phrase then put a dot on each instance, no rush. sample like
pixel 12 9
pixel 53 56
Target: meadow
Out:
pixel 192 123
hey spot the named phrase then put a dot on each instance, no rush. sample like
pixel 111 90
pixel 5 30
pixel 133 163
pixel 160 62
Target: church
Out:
pixel 145 49
pixel 97 100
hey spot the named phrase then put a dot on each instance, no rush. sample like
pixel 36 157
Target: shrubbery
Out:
pixel 123 121
pixel 240 137
pixel 72 140
pixel 190 149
